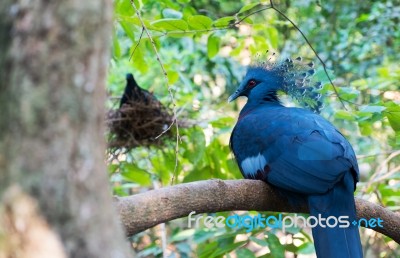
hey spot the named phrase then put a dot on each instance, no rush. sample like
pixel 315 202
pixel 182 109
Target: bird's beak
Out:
pixel 234 96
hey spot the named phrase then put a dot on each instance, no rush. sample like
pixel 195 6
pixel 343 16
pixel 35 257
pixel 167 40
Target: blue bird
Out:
pixel 299 152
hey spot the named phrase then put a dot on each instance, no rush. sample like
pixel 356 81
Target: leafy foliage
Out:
pixel 204 46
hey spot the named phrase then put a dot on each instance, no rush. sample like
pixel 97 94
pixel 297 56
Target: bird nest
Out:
pixel 138 124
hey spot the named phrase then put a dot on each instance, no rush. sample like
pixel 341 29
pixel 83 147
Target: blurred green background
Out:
pixel 205 57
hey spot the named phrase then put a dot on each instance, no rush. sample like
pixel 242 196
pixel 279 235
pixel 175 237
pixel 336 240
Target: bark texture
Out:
pixel 142 211
pixel 52 93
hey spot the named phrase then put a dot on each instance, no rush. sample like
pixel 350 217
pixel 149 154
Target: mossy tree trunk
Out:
pixel 54 195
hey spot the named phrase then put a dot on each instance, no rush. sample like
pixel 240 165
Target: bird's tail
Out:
pixel 330 240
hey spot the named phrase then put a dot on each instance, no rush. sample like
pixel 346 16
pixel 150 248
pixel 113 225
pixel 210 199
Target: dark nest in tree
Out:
pixel 138 124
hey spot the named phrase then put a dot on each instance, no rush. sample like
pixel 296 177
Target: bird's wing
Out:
pixel 295 150
pixel 308 163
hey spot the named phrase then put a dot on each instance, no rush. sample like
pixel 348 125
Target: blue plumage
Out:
pixel 299 152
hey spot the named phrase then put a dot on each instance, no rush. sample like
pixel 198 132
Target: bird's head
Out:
pixel 293 77
pixel 129 77
pixel 259 83
pixel 130 80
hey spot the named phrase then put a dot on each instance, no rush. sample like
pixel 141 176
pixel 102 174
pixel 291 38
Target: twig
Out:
pixel 387 175
pixel 174 121
pixel 380 170
pixel 374 155
pixel 137 44
pixel 250 14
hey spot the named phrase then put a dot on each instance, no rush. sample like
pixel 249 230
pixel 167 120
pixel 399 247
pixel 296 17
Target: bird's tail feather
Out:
pixel 335 242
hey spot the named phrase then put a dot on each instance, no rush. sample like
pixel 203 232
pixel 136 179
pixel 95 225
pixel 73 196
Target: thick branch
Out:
pixel 145 210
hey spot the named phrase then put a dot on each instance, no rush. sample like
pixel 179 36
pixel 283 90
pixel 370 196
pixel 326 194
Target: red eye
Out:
pixel 251 84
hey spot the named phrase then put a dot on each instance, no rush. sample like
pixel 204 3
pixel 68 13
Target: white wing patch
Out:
pixel 251 165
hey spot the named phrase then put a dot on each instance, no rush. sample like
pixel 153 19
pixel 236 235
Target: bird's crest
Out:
pixel 297 77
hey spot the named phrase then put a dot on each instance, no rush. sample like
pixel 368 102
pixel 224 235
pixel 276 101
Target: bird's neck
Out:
pixel 266 102
pixel 269 98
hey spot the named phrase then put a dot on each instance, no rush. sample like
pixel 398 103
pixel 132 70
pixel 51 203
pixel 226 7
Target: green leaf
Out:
pixel 227 248
pixel 386 190
pixel 397 138
pixel 393 115
pixel 116 48
pixel 320 75
pixel 198 174
pixel 224 21
pixel 233 169
pixel 171 24
pixel 205 250
pixel 201 235
pixel 132 173
pixel 363 17
pixel 373 109
pixel 138 56
pixel 223 122
pixel 292 230
pixel 137 3
pixel 151 250
pixel 348 93
pixel 343 114
pixel 196 146
pixel 212 46
pixel 188 11
pixel 291 248
pixel 112 168
pixel 183 235
pixel 171 13
pixel 125 7
pixel 133 20
pixel 306 248
pixel 260 242
pixel 248 20
pixel 277 249
pixel 247 7
pixel 172 77
pixel 238 49
pixel 245 253
pixel 273 37
pixel 200 22
pixel 365 128
pixel 129 30
pixel 362 116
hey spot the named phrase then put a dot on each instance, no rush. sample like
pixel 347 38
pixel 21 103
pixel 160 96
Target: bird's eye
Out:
pixel 251 84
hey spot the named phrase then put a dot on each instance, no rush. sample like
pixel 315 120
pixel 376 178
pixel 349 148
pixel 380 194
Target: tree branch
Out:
pixel 142 211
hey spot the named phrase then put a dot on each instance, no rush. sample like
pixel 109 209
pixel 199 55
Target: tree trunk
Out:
pixel 54 195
